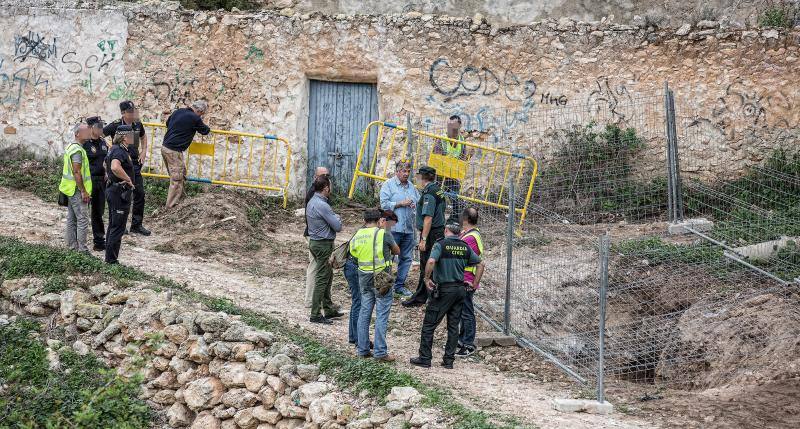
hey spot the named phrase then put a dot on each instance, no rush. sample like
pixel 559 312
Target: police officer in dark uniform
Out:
pixel 430 223
pixel 138 150
pixel 120 170
pixel 446 264
pixel 97 150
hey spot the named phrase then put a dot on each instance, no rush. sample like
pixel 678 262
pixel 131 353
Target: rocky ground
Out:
pixel 265 270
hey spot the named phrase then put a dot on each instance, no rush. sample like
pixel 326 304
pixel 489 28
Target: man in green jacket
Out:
pixel 76 184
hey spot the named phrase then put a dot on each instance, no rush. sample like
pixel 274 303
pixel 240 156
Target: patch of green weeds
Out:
pixel 81 393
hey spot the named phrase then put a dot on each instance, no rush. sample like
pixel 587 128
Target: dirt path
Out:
pixel 481 385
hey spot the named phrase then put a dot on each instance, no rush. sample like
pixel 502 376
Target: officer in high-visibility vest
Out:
pixel 119 190
pixel 76 184
pixel 373 246
pixel 472 236
pixel 444 278
pixel 457 151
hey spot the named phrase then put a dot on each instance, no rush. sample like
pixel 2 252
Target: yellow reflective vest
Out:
pixel 68 184
pixel 476 234
pixel 367 247
pixel 453 150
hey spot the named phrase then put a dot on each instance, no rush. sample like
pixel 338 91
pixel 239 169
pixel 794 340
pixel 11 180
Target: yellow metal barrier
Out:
pixel 484 174
pixel 230 158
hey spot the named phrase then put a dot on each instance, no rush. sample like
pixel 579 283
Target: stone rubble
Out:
pixel 205 369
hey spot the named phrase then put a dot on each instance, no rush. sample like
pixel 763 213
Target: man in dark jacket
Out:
pixel 182 125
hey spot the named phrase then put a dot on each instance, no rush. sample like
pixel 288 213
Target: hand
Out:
pixel 141 158
pixel 405 203
pixel 421 246
pixel 471 286
pixel 85 196
pixel 429 284
pixel 130 183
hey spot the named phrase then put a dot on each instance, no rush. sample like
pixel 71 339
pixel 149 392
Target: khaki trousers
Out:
pixel 177 175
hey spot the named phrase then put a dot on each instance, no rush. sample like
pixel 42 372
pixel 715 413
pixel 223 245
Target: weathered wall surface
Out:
pixel 255 68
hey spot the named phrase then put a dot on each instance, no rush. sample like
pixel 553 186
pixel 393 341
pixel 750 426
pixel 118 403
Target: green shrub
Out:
pixel 21 259
pixel 56 284
pixel 81 393
pixel 591 169
pixel 780 14
pixel 24 172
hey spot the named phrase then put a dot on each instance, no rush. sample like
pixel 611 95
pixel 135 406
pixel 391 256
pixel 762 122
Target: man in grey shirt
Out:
pixel 323 224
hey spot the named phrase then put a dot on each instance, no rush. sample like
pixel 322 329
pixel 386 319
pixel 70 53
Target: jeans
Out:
pixel 454 186
pixel 322 249
pixel 77 223
pixel 383 304
pixel 449 303
pixel 467 334
pixel 406 242
pixel 351 275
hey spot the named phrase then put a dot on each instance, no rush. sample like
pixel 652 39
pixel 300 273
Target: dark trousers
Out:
pixel 467 333
pixel 449 303
pixel 119 206
pixel 137 210
pixel 421 295
pixel 98 206
pixel 351 275
pixel 456 203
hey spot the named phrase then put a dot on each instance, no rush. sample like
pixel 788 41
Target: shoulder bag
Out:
pixel 383 280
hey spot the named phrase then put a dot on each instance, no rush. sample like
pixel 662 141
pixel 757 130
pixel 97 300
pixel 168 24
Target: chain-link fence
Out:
pixel 658 246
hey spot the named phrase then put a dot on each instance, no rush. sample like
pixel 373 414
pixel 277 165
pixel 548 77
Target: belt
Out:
pixel 324 240
pixel 452 284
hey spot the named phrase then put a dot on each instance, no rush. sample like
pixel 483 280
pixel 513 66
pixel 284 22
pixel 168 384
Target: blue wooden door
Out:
pixel 338 113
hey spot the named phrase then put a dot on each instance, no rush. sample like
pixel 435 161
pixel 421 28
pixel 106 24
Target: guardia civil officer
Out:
pixel 119 168
pixel 430 223
pixel 138 152
pixel 444 278
pixel 97 150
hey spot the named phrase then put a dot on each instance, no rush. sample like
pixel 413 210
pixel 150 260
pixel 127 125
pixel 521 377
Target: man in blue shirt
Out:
pixel 399 195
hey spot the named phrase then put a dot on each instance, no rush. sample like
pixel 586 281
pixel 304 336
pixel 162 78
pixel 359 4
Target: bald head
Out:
pixel 321 171
pixel 81 132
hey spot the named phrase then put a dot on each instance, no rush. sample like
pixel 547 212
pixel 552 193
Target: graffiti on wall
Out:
pixel 614 98
pixel 37 63
pixel 487 100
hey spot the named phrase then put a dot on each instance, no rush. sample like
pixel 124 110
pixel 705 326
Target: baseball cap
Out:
pixel 426 170
pixel 126 105
pixel 94 121
pixel 124 129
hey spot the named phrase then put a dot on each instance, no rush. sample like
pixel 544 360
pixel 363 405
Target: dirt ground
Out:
pixel 211 244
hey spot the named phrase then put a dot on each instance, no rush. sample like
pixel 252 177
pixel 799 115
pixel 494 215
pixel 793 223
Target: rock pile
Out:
pixel 205 369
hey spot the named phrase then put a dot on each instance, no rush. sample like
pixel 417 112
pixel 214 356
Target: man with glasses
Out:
pixel 399 195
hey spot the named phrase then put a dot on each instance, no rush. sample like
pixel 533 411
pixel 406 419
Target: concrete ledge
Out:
pixel 582 406
pixel 765 250
pixel 485 339
pixel 699 225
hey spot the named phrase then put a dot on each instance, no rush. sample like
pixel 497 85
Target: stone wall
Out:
pixel 733 84
pixel 202 369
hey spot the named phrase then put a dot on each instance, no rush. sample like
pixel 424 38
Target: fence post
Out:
pixel 409 137
pixel 605 244
pixel 674 193
pixel 512 211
